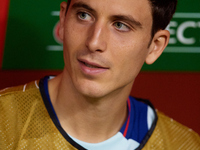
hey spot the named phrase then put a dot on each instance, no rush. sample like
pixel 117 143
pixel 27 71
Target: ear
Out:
pixel 158 44
pixel 63 8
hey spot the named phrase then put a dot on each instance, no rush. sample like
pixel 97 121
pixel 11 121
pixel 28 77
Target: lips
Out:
pixel 91 68
pixel 92 64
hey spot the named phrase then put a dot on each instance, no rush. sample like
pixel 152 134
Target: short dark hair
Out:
pixel 162 12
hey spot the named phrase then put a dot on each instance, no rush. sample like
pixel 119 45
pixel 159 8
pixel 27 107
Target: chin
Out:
pixel 92 91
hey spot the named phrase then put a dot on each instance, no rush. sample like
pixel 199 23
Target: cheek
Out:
pixel 73 32
pixel 132 51
pixel 130 58
pixel 72 39
pixel 68 50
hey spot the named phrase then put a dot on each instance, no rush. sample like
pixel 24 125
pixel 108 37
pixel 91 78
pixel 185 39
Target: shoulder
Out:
pixel 170 134
pixel 21 88
pixel 16 98
pixel 175 129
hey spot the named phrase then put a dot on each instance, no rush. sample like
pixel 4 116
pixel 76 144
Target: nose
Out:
pixel 96 40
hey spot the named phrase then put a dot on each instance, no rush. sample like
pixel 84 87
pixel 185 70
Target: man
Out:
pixel 88 106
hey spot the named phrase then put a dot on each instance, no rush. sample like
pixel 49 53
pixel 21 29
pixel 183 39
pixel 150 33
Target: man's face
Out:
pixel 105 44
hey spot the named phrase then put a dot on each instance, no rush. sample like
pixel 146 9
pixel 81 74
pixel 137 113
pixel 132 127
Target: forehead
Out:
pixel 138 9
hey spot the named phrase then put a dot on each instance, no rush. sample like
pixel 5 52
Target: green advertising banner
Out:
pixel 32 40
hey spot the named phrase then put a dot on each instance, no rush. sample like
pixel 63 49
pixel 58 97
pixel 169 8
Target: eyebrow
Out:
pixel 82 5
pixel 128 19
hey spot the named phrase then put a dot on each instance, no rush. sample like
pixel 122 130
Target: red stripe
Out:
pixel 3 23
pixel 127 124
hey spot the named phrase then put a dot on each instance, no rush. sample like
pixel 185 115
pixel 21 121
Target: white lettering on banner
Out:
pixel 182 28
pixel 55 13
pixel 180 32
pixel 190 43
pixel 186 15
pixel 58 47
pixel 172 31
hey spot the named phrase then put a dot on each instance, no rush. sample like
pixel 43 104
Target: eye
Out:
pixel 84 16
pixel 121 26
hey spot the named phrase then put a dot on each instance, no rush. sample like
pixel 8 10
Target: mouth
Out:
pixel 92 65
pixel 91 68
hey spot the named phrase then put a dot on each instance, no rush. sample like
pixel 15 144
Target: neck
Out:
pixel 84 118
